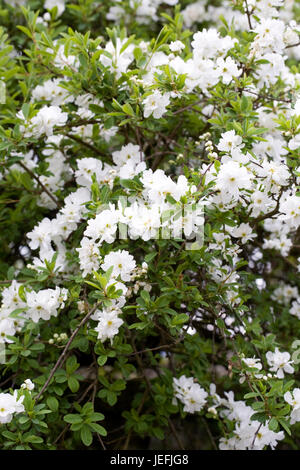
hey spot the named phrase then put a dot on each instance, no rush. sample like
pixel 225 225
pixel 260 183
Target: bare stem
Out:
pixel 63 354
pixel 33 175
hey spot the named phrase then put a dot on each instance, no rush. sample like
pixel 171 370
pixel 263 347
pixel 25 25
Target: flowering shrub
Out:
pixel 150 220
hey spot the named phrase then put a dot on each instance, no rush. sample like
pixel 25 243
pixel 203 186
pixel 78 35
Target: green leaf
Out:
pixel 102 360
pixel 99 429
pixel 33 439
pixel 145 296
pixel 258 405
pixel 128 109
pixel 73 419
pixel 251 395
pixel 150 257
pixel 73 384
pixel 179 319
pixel 25 31
pixel 285 426
pixel 273 424
pixel 53 404
pixel 71 364
pixel 111 398
pixel 158 433
pixel 10 435
pixel 86 435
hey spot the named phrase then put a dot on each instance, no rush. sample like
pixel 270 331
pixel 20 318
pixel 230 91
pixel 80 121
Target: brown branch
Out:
pixel 138 412
pixel 269 214
pixel 138 137
pixel 185 108
pixel 33 175
pixel 164 346
pixel 85 144
pixel 267 97
pixel 248 15
pixel 213 442
pixel 255 435
pixel 101 442
pixel 63 354
pixel 293 45
pixel 172 427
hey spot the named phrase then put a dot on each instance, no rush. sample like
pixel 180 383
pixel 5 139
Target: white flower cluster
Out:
pixel 248 434
pixel 43 122
pixel 280 362
pixel 11 301
pixel 45 303
pixel 189 393
pixel 33 305
pixel 293 399
pixel 253 178
pixel 143 11
pixel 10 404
pixel 123 268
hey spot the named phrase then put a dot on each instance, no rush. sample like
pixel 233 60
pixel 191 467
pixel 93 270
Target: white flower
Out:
pixel 61 60
pixel 27 385
pixel 252 362
pixel 290 208
pixel 189 393
pixel 51 91
pixel 293 399
pixel 89 256
pixel 295 309
pixel 45 303
pixel 279 362
pixel 128 153
pixel 87 167
pixel 143 221
pixel 118 61
pixel 104 226
pixel 10 297
pixel 230 141
pixel 208 44
pixel 10 405
pixel 60 4
pixel 243 231
pixel 122 262
pixel 46 119
pixel 176 46
pixel 156 104
pixel 269 37
pixel 294 143
pixel 109 323
pixel 192 13
pixel 227 69
pixel 232 178
pixel 7 328
pixel 261 203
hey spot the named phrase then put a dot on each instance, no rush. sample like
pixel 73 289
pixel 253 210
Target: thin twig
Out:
pixel 255 436
pixel 33 175
pixel 101 442
pixel 174 432
pixel 248 15
pixel 63 354
pixel 185 108
pixel 85 144
pixel 293 45
pixel 210 434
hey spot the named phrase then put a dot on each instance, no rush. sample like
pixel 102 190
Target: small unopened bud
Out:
pixel 212 410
